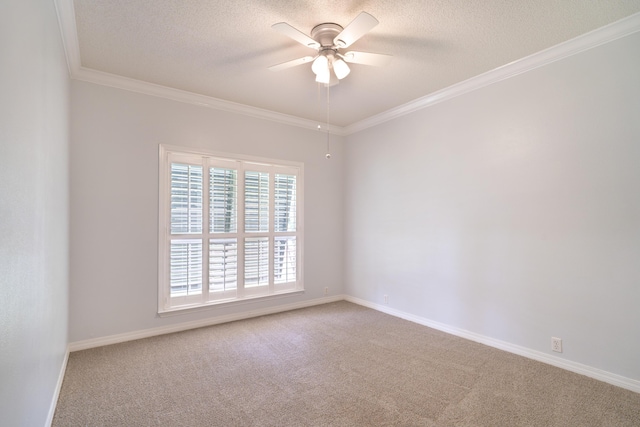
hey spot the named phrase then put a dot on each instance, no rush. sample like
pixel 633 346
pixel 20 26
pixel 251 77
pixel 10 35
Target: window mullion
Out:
pixel 271 232
pixel 241 230
pixel 164 225
pixel 206 228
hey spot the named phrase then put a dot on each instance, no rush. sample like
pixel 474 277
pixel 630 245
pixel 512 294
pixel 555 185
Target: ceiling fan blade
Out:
pixel 292 63
pixel 300 37
pixel 360 26
pixel 366 58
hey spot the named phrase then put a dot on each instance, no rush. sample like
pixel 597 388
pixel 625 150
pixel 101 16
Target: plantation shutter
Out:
pixel 230 230
pixel 223 227
pixel 256 201
pixel 186 198
pixel 223 195
pixel 185 252
pixel 285 250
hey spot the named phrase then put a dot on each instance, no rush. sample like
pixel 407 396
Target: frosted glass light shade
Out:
pixel 324 76
pixel 320 65
pixel 341 69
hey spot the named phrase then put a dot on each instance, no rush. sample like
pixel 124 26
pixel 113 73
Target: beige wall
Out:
pixel 34 117
pixel 511 212
pixel 114 203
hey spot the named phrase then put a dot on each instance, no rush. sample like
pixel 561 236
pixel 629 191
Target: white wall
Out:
pixel 34 113
pixel 512 211
pixel 114 203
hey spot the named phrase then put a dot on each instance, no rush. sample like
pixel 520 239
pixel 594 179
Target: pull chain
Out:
pixel 328 155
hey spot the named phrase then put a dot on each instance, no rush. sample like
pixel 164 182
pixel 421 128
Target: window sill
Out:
pixel 226 303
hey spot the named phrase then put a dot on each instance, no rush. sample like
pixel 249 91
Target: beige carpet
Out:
pixel 337 364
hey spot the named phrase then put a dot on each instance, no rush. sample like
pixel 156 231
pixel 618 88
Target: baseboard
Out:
pixel 146 333
pixel 595 373
pixel 578 368
pixel 56 393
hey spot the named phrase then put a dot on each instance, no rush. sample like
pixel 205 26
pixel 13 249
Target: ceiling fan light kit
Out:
pixel 323 76
pixel 327 61
pixel 328 38
pixel 341 69
pixel 320 64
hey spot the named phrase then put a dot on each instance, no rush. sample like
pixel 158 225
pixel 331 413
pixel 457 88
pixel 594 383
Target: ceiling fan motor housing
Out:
pixel 325 34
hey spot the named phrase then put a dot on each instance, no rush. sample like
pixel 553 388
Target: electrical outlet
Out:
pixel 556 344
pixel 326 291
pixel 386 299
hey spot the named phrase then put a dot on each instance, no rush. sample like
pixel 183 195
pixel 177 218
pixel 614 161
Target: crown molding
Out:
pixel 68 29
pixel 597 37
pixel 139 86
pixel 67 21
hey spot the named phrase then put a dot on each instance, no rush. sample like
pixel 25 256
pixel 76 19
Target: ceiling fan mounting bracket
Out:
pixel 325 33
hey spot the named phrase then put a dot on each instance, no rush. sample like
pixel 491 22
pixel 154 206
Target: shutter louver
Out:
pixel 223 265
pixel 284 260
pixel 256 201
pixel 285 202
pixel 185 267
pixel 186 199
pixel 256 261
pixel 223 194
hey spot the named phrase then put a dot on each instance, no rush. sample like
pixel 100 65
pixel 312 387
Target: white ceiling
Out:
pixel 222 48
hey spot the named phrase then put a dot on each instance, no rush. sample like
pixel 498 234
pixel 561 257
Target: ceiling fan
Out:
pixel 329 39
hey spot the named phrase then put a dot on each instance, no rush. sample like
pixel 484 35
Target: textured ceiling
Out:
pixel 222 48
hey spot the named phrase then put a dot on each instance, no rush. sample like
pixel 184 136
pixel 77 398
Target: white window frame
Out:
pixel 241 163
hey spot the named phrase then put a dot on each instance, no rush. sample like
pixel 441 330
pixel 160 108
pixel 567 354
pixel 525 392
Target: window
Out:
pixel 230 228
